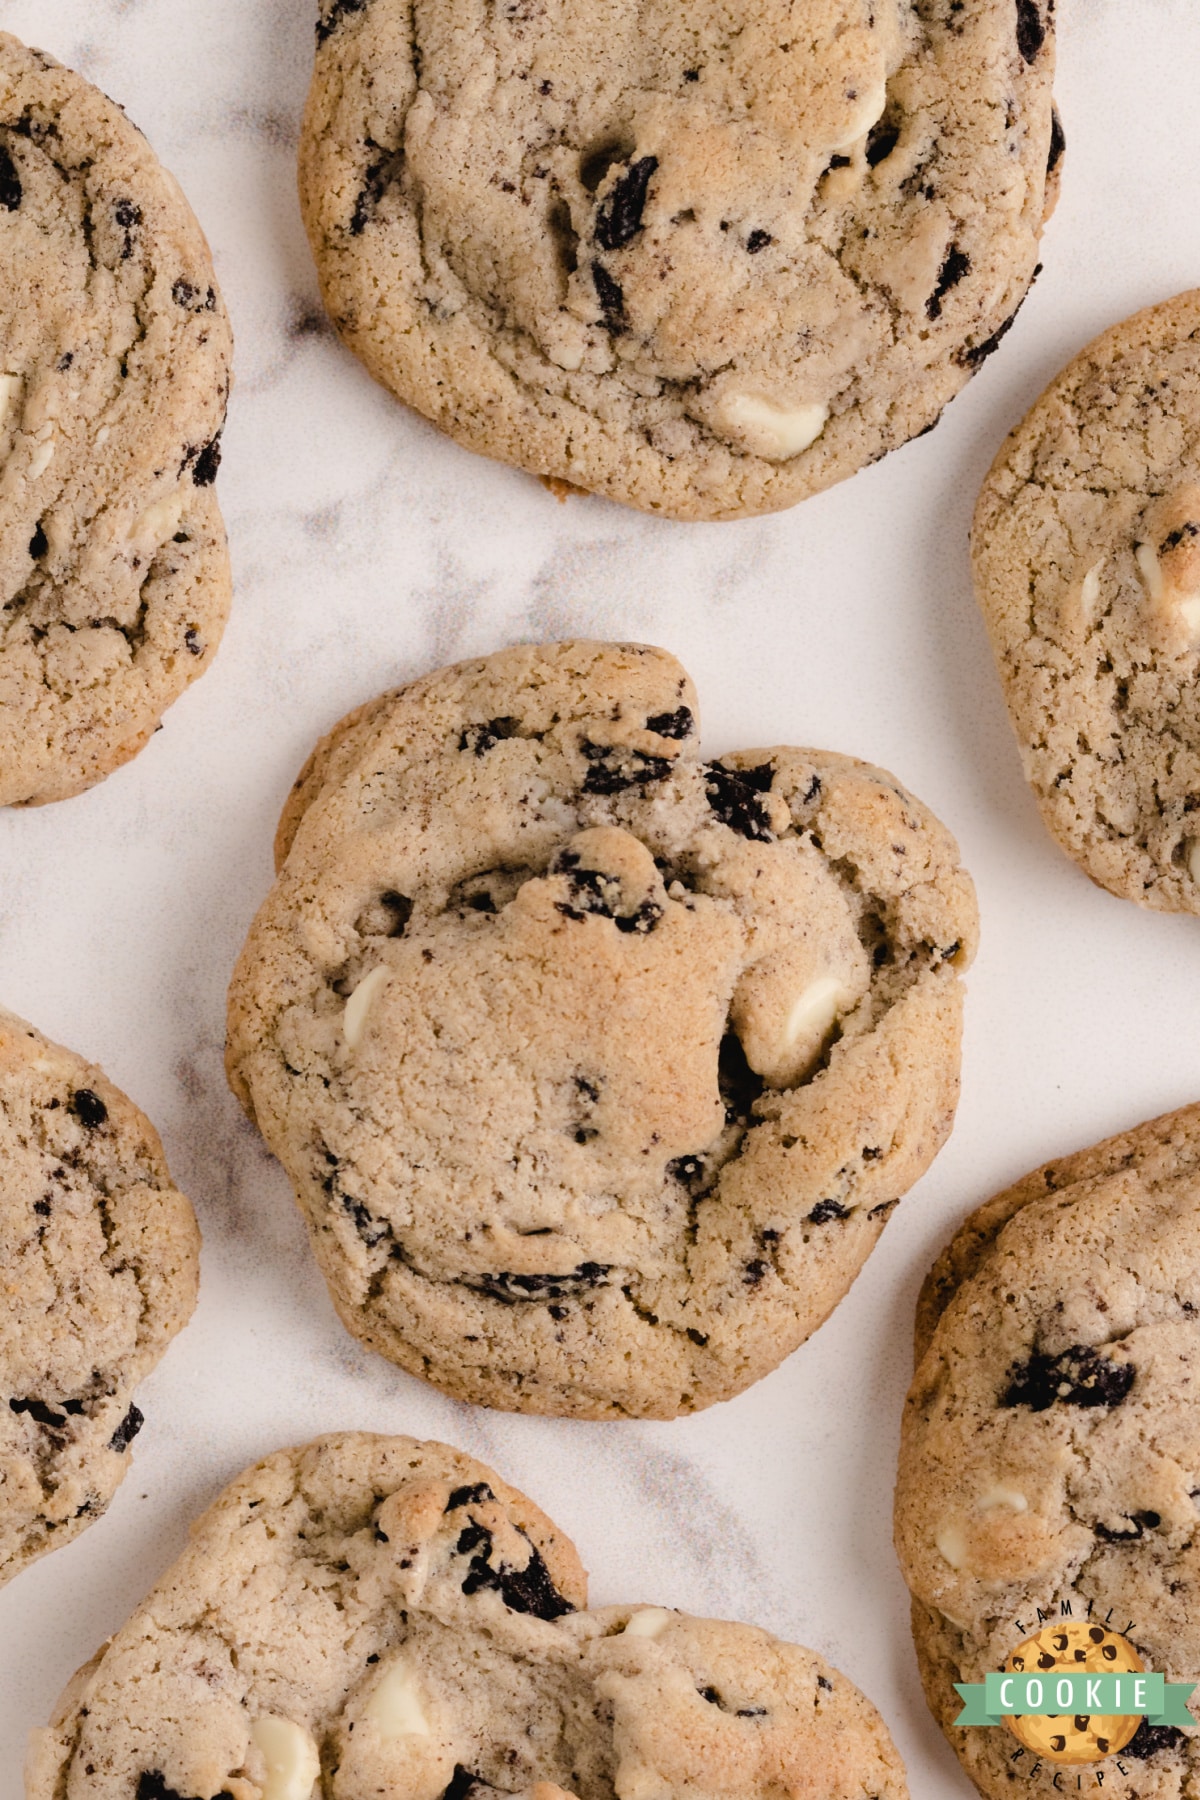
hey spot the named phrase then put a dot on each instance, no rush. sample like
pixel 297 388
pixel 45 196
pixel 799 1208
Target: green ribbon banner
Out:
pixel 1060 1691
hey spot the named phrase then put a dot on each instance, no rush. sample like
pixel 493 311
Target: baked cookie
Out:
pixel 114 374
pixel 382 1616
pixel 702 260
pixel 1087 567
pixel 1050 1455
pixel 99 1257
pixel 597 1068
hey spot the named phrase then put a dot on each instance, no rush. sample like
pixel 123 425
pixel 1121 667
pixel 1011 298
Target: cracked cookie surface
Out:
pixel 1086 550
pixel 99 1258
pixel 1050 1453
pixel 114 374
pixel 384 1616
pixel 704 259
pixel 597 1068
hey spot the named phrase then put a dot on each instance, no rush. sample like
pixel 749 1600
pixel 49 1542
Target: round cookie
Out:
pixel 703 263
pixel 1086 549
pixel 99 1260
pixel 1070 1646
pixel 1050 1452
pixel 388 1617
pixel 597 1068
pixel 114 374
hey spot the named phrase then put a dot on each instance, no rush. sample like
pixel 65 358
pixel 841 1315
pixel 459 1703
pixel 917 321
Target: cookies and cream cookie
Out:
pixel 1087 567
pixel 99 1258
pixel 701 258
pixel 1050 1456
pixel 114 374
pixel 597 1067
pixel 373 1616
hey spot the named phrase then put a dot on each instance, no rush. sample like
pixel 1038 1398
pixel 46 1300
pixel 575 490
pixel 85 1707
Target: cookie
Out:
pixel 114 373
pixel 596 1067
pixel 99 1258
pixel 1050 1455
pixel 1087 568
pixel 384 1616
pixel 699 261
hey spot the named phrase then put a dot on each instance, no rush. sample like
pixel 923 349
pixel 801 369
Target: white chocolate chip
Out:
pixel 648 1623
pixel 354 1022
pixel 999 1496
pixel 43 455
pixel 1193 859
pixel 952 1544
pixel 867 110
pixel 290 1753
pixel 1147 561
pixel 1089 592
pixel 815 1010
pixel 395 1707
pixel 10 387
pixel 775 432
pixel 159 521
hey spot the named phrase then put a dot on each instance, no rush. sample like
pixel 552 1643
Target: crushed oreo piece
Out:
pixel 956 265
pixel 204 463
pixel 1031 33
pixel 592 891
pixel 41 1414
pixel 740 1086
pixel 88 1108
pixel 1138 1524
pixel 127 1430
pixel 611 298
pixel 619 218
pixel 758 240
pixel 732 794
pixel 371 1230
pixel 511 1288
pixel 152 1785
pixel 191 638
pixel 1058 141
pixel 971 356
pixel 678 724
pixel 461 1783
pixel 39 543
pixel 825 1210
pixel 377 178
pixel 1079 1376
pixel 614 768
pixel 469 1496
pixel 881 141
pixel 10 182
pixel 1149 1740
pixel 481 738
pixel 332 18
pixel 527 1590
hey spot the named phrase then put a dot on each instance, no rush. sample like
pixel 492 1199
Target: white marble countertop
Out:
pixel 367 549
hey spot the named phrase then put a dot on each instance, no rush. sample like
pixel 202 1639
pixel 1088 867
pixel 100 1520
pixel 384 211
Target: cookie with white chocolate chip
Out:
pixel 99 1258
pixel 1050 1451
pixel 597 1067
pixel 114 373
pixel 703 261
pixel 1086 549
pixel 367 1616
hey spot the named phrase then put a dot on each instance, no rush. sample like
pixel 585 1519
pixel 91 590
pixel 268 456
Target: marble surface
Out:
pixel 367 549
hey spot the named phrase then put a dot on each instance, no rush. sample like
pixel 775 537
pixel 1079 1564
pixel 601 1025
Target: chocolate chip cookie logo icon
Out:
pixel 1075 1692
